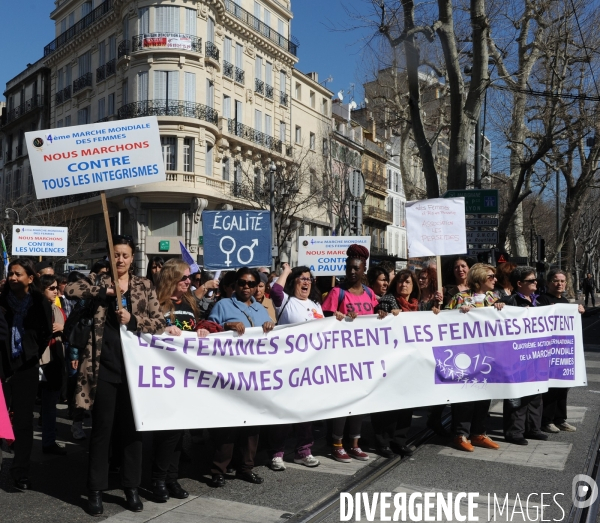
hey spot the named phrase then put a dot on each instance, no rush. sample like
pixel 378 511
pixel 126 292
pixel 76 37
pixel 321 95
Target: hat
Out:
pixel 263 277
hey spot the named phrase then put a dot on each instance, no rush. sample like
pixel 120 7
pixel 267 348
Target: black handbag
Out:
pixel 78 326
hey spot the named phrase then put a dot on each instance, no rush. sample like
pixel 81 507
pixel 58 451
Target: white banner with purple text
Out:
pixel 329 368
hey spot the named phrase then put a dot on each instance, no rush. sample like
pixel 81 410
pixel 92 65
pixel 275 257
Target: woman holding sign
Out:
pixel 182 314
pixel 350 299
pixel 237 313
pixel 470 417
pixel 102 382
pixel 29 318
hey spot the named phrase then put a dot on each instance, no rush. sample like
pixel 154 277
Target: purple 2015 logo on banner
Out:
pixel 515 361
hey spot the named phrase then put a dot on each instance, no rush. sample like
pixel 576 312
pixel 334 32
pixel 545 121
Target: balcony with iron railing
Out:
pixel 167 41
pixel 63 95
pixel 212 51
pixel 107 70
pixel 169 108
pixel 239 75
pixel 82 82
pixel 253 22
pixel 284 98
pixel 374 148
pixel 263 89
pixel 375 181
pixel 378 251
pixel 227 69
pixel 123 49
pixel 252 135
pixel 375 213
pixel 91 18
pixel 24 108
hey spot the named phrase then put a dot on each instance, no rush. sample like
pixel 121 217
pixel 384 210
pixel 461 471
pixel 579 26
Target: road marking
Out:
pixel 592 364
pixel 201 510
pixel 542 454
pixel 593 377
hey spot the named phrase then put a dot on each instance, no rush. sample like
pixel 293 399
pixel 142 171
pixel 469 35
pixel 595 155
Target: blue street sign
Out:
pixel 234 239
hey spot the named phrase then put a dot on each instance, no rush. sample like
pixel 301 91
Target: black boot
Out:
pixel 159 491
pixel 176 490
pixel 94 505
pixel 134 503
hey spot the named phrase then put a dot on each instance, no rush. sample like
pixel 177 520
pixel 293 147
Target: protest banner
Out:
pixel 234 239
pixel 39 240
pixel 326 255
pixel 96 157
pixel 367 365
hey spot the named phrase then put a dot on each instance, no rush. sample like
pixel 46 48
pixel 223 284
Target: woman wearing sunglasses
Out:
pixel 236 314
pixel 523 416
pixel 296 300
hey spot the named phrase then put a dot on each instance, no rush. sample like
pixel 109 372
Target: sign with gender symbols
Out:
pixel 234 239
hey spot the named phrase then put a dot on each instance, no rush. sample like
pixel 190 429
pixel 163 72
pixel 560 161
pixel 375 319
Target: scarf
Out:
pixel 19 309
pixel 407 306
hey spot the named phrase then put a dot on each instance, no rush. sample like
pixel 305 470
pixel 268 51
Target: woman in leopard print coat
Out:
pixel 102 381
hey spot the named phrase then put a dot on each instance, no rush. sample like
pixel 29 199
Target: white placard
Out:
pixel 39 240
pixel 95 157
pixel 326 255
pixel 436 227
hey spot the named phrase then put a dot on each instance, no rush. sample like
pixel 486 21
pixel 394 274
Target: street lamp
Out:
pixel 7 216
pixel 272 170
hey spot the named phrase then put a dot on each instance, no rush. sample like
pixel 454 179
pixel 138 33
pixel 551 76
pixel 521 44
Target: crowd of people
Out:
pixel 60 341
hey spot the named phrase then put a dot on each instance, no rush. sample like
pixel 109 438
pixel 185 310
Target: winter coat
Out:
pixel 144 307
pixel 37 333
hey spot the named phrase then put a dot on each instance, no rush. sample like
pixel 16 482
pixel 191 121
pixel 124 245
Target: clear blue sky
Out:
pixel 27 28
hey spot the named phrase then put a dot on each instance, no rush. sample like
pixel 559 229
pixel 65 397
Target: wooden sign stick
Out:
pixel 111 249
pixel 438 263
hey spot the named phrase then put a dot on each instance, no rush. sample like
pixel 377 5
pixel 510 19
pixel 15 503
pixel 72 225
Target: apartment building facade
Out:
pixel 218 74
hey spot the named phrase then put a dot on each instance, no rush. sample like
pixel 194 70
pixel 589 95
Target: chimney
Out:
pixel 313 76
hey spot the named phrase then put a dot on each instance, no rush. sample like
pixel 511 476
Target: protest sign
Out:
pixel 368 365
pixel 95 157
pixel 39 240
pixel 234 239
pixel 326 255
pixel 436 227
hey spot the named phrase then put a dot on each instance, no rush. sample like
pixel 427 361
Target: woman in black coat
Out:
pixel 29 321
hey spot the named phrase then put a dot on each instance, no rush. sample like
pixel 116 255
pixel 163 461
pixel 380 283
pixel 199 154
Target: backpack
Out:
pixel 78 326
pixel 343 293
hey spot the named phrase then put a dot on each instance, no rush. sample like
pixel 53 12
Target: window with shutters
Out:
pixel 86 8
pixel 190 87
pixel 269 74
pixel 101 108
pixel 298 134
pixel 68 121
pixel 111 104
pixel 112 47
pixel 282 131
pixel 188 155
pixel 209 160
pixel 268 124
pixel 144 20
pixel 210 93
pixel 313 140
pixel 166 85
pixel 226 167
pixel 169 151
pixel 142 86
pixel 166 19
pixel 190 21
pixel 239 112
pixel 312 99
pixel 83 116
pixel 258 120
pixel 226 106
pixel 84 63
pixel 101 53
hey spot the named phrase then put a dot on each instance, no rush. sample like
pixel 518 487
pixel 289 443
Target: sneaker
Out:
pixel 308 461
pixel 277 463
pixel 356 453
pixel 462 443
pixel 566 427
pixel 551 428
pixel 77 430
pixel 484 441
pixel 339 454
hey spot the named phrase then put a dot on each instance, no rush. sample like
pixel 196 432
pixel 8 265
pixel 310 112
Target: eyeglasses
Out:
pixel 491 277
pixel 244 283
pixel 185 278
pixel 306 280
pixel 530 281
pixel 53 288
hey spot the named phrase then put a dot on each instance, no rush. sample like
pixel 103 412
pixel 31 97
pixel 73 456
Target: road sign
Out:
pixel 234 239
pixel 477 201
pixel 482 222
pixel 486 237
pixel 356 184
